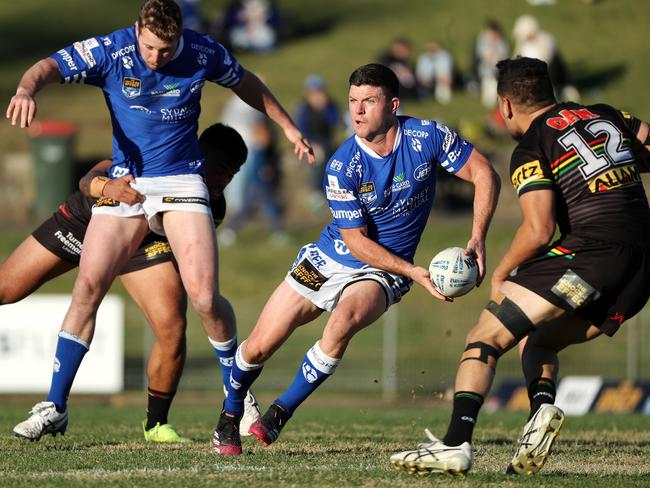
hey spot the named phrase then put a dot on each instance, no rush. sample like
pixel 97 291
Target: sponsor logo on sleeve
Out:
pixel 65 56
pixel 422 172
pixel 347 214
pixel 84 50
pixel 367 193
pixel 333 181
pixel 131 87
pixel 354 165
pixel 527 173
pixel 227 60
pixel 106 41
pixel 339 194
pixel 336 165
pixel 307 275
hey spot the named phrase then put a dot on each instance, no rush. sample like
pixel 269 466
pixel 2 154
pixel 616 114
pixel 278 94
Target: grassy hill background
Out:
pixel 604 44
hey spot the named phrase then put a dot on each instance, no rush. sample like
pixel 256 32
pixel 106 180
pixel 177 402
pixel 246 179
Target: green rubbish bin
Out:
pixel 52 143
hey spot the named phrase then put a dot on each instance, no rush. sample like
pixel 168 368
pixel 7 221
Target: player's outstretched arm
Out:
pixel 532 236
pixel 256 94
pixel 487 184
pixel 368 251
pixel 22 106
pixel 97 184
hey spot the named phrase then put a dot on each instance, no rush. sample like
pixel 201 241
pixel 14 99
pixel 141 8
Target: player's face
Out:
pixel 155 52
pixel 371 111
pixel 217 176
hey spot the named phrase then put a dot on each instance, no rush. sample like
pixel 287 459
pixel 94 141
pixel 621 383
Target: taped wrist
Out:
pixel 97 185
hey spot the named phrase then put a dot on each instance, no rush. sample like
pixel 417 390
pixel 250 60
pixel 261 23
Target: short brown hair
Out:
pixel 163 18
pixel 526 82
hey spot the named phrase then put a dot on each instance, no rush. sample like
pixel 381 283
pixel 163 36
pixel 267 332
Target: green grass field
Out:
pixel 332 442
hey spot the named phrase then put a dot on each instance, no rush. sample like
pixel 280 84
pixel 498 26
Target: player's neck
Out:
pixel 533 115
pixel 383 142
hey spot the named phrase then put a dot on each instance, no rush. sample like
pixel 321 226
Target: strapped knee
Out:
pixel 512 317
pixel 485 352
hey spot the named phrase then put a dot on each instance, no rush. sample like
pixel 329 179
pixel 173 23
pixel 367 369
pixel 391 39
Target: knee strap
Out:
pixel 512 317
pixel 485 351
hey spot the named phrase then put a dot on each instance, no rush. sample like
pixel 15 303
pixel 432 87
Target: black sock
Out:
pixel 540 391
pixel 158 404
pixel 463 418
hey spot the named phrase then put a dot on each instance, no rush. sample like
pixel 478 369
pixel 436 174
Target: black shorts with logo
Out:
pixel 64 236
pixel 605 283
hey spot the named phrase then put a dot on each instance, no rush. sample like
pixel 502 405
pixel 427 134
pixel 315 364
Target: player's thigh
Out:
pixel 191 237
pixel 536 308
pixel 159 292
pixel 108 243
pixel 560 333
pixel 284 311
pixel 361 303
pixel 27 268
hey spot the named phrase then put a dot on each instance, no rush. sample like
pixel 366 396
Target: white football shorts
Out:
pixel 321 280
pixel 186 193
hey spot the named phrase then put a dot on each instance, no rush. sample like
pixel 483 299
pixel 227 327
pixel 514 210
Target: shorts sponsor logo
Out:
pixel 198 200
pixel 309 372
pixel 575 291
pixel 131 87
pixel 65 56
pixel 336 165
pixel 70 243
pixel 340 247
pixel 339 194
pixel 527 173
pixel 367 192
pixel 615 178
pixel 422 172
pixel 127 62
pixel 316 258
pixel 416 145
pixel 157 248
pixel 122 52
pixel 106 202
pixel 347 214
pixel 308 276
pixel 196 86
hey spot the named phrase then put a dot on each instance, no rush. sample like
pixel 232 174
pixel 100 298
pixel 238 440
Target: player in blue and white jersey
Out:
pixel 152 75
pixel 380 186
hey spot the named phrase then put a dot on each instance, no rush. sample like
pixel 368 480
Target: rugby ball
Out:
pixel 452 273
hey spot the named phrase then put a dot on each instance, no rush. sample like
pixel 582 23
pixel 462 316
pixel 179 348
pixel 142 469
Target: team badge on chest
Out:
pixel 131 87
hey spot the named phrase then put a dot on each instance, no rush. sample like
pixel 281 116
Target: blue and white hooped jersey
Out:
pixel 390 195
pixel 154 113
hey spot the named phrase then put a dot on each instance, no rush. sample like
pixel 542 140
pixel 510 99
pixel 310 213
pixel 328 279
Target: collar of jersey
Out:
pixel 373 154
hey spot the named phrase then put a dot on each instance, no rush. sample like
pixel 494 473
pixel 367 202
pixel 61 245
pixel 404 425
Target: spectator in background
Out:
pixel 532 42
pixel 435 72
pixel 257 185
pixel 318 117
pixel 491 47
pixel 398 59
pixel 252 25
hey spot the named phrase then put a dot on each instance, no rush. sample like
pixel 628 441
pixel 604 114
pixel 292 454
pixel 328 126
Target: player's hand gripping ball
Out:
pixel 452 273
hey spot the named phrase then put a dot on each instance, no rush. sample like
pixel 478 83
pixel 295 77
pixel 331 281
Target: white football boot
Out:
pixel 251 412
pixel 435 457
pixel 44 420
pixel 536 441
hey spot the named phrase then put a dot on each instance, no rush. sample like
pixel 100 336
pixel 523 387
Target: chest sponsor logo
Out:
pixel 142 108
pixel 202 59
pixel 339 194
pixel 367 193
pixel 416 145
pixel 404 206
pixel 127 62
pixel 416 133
pixel 354 165
pixel 527 173
pixel 196 86
pixel 123 51
pixel 131 87
pixel 422 172
pixel 615 178
pixel 176 114
pixel 202 49
pixel 169 90
pixel 340 247
pixel 399 183
pixel 308 276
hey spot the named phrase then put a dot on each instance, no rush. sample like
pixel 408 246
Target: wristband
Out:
pixel 97 185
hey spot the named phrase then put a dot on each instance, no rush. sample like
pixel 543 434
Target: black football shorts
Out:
pixel 605 283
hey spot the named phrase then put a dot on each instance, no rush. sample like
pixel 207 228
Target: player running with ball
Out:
pixel 576 167
pixel 379 185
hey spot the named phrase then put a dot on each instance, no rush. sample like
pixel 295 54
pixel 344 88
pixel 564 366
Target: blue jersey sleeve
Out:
pixel 342 193
pixel 451 150
pixel 82 62
pixel 223 67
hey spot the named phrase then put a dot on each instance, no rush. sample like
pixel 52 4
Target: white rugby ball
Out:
pixel 452 273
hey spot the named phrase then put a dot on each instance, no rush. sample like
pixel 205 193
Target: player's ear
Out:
pixel 505 107
pixel 394 105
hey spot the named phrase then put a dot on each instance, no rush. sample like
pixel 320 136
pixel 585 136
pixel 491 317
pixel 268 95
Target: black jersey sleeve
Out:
pixel 529 170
